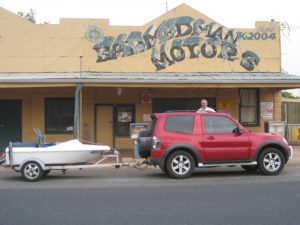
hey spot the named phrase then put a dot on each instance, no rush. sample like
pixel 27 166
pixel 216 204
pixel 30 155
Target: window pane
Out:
pixel 182 124
pixel 216 124
pixel 249 107
pixel 248 115
pixel 125 116
pixel 59 116
pixel 249 97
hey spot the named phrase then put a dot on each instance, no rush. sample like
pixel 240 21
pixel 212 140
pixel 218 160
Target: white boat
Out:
pixel 66 153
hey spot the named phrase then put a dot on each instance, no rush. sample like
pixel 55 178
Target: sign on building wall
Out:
pixel 195 40
pixel 266 110
pixel 136 128
pixel 224 107
pixel 146 98
pixel 182 40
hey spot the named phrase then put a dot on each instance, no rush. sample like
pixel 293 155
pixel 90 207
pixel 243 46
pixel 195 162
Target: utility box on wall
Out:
pixel 276 127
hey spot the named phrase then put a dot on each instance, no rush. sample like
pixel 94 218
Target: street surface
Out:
pixel 218 196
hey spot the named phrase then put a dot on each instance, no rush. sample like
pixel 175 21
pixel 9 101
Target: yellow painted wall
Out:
pixel 33 105
pixel 58 47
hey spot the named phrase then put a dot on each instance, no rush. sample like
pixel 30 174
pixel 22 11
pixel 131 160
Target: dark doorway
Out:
pixel 10 122
pixel 164 104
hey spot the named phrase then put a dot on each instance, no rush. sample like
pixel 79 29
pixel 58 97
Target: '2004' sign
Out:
pixel 256 36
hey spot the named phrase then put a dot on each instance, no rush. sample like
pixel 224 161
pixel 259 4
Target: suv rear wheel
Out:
pixel 180 164
pixel 271 161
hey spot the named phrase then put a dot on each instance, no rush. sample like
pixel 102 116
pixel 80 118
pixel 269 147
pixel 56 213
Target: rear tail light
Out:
pixel 156 143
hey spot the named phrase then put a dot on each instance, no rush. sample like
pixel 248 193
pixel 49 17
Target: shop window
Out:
pixel 124 115
pixel 249 107
pixel 165 104
pixel 59 115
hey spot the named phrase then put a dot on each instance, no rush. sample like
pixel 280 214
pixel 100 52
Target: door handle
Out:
pixel 210 137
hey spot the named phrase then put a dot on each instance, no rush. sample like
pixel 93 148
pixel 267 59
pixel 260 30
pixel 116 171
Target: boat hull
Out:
pixel 70 152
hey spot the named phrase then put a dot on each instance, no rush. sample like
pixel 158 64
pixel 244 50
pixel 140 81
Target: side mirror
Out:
pixel 236 130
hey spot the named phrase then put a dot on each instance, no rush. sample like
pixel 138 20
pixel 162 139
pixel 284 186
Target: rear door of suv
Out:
pixel 219 141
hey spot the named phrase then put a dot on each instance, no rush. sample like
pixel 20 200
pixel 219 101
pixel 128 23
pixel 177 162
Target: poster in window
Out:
pixel 124 117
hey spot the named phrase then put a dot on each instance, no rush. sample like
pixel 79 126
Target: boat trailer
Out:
pixel 33 169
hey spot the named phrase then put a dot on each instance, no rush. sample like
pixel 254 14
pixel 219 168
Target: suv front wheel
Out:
pixel 180 164
pixel 271 161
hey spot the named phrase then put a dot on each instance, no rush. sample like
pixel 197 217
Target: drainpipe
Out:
pixel 77 103
pixel 76 131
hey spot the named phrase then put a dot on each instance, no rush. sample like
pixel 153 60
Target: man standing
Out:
pixel 204 107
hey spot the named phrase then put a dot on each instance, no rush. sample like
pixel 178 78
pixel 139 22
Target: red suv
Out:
pixel 180 141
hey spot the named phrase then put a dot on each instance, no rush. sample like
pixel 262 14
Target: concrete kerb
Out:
pixel 296 156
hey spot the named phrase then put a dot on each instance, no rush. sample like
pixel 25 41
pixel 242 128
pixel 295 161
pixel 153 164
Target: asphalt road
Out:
pixel 216 196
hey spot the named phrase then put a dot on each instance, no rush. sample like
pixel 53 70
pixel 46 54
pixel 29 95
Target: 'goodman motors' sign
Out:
pixel 178 39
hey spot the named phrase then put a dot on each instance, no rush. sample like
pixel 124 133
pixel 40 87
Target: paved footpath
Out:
pixel 296 156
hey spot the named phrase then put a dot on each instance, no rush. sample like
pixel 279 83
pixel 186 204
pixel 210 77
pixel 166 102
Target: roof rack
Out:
pixel 170 111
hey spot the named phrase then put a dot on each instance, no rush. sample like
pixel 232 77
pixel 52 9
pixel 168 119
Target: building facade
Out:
pixel 86 78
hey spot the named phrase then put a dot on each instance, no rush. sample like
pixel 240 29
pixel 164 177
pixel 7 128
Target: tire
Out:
pixel 271 161
pixel 250 168
pixel 180 165
pixel 32 171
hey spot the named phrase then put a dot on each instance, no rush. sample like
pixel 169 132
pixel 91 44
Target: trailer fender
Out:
pixel 40 162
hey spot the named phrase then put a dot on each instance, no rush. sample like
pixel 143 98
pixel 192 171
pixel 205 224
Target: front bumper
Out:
pixel 292 152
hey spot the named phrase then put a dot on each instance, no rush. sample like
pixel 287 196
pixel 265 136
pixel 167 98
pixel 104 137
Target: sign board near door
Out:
pixel 136 128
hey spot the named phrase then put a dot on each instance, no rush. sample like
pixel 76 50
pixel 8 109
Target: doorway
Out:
pixel 104 125
pixel 10 122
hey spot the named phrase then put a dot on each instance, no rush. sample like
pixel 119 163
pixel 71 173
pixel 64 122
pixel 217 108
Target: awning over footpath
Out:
pixel 157 79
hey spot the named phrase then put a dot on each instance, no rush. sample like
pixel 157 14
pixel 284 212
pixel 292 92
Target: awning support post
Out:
pixel 77 103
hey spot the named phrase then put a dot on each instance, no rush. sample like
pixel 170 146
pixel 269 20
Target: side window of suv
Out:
pixel 183 124
pixel 218 124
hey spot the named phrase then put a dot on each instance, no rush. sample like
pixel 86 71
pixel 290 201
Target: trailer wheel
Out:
pixel 32 171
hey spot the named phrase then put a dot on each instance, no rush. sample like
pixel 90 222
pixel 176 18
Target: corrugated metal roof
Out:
pixel 155 77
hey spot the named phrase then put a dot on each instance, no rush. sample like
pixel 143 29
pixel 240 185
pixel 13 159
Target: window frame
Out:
pixel 47 100
pixel 213 118
pixel 257 108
